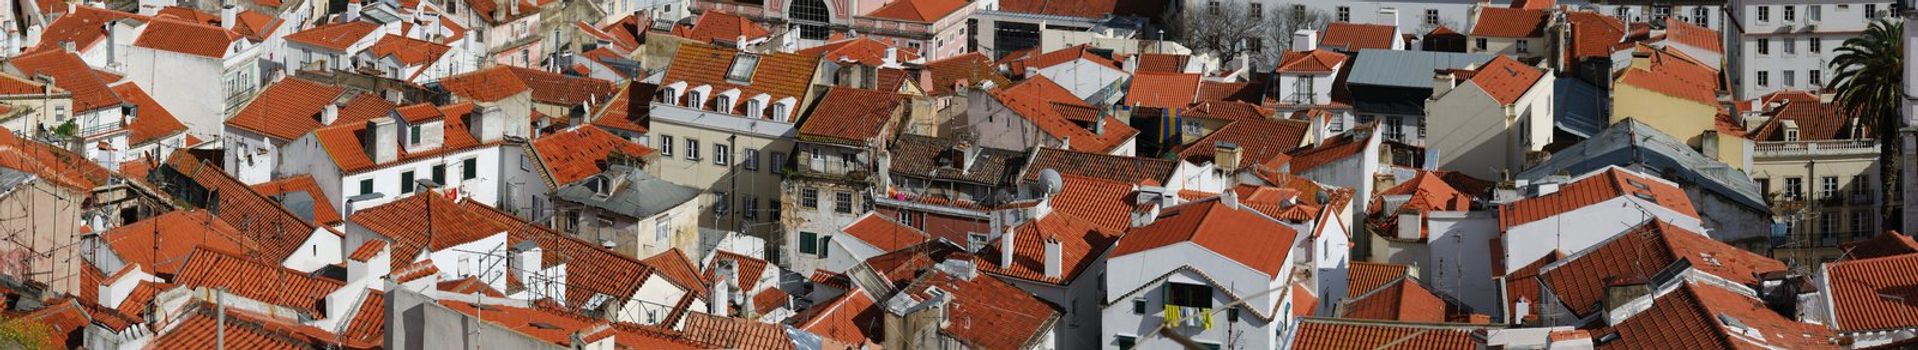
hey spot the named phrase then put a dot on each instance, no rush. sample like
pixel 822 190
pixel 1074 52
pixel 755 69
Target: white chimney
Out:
pixel 1305 40
pixel 330 114
pixel 1390 16
pixel 892 57
pixel 489 123
pixel 1006 246
pixel 1055 258
pixel 526 260
pixel 740 44
pixel 432 25
pixel 352 11
pixel 230 14
pixel 724 275
pixel 382 140
pixel 379 265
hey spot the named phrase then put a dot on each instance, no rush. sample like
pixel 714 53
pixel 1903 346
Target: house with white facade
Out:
pixel 1601 283
pixel 467 149
pixel 171 53
pixel 1391 87
pixel 1436 222
pixel 1214 271
pixel 1580 212
pixel 1306 76
pixel 1851 303
pixel 287 110
pixel 1039 112
pixel 1490 119
pixel 935 29
pixel 98 121
pixel 331 45
pixel 1089 73
pixel 1788 45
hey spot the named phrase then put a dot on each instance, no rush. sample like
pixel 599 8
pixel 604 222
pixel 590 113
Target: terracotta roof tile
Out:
pixel 1318 334
pixel 852 116
pixel 256 25
pixel 287 109
pixel 1401 300
pixel 547 323
pixel 1500 22
pixel 1885 244
pixel 1702 316
pixel 1363 276
pixel 971 69
pixel 779 75
pixel 264 282
pixel 323 214
pixel 188 15
pixel 334 36
pixel 1523 283
pixel 1352 37
pixel 1639 254
pixel 1334 148
pixel 142 294
pixel 1258 141
pixel 923 157
pixel 1123 169
pixel 367 251
pixel 342 141
pixel 1248 92
pixel 1873 294
pixel 1226 110
pixel 590 269
pixel 487 10
pixel 978 311
pixel 188 38
pixel 1315 61
pixel 628 110
pixel 71 73
pixel 853 318
pixel 1506 79
pixel 734 333
pixel 1593 189
pixel 581 152
pixel 278 232
pixel 676 268
pixel 1594 34
pixel 151 122
pixel 491 84
pixel 1088 216
pixel 199 329
pixel 770 299
pixel 368 326
pixel 161 244
pixel 1815 121
pixel 1239 234
pixel 84 27
pixel 1034 59
pixel 863 50
pixel 1034 98
pixel 882 232
pixel 1162 90
pixel 414 229
pixel 560 89
pixel 1670 73
pixel 1693 35
pixel 1163 62
pixel 748 269
pixel 721 26
pixel 924 11
pixel 408 51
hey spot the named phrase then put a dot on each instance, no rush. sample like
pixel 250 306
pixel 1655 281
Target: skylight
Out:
pixel 742 68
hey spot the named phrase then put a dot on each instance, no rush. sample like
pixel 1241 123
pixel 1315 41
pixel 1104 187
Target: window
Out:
pixel 1188 295
pixel 1138 306
pixel 662 229
pixel 1660 12
pixel 1298 13
pixel 1814 12
pixel 692 149
pixel 1337 123
pixel 1345 13
pixel 1702 16
pixel 809 197
pixel 1791 134
pixel 808 243
pixel 1764 188
pixel 751 160
pixel 1871 11
pixel 1623 13
pixel 842 202
pixel 1764 13
pixel 1827 224
pixel 1791 13
pixel 1125 342
pixel 1794 187
pixel 695 100
pixel 721 202
pixel 1791 77
pixel 1524 46
pixel 1764 46
pixel 1394 128
pixel 666 145
pixel 469 169
pixel 1828 187
pixel 825 246
pixel 1431 17
pixel 1481 44
pixel 741 71
pixel 439 174
pixel 779 160
pixel 406 182
pixel 1764 78
pixel 1860 222
pixel 1860 185
pixel 1816 78
pixel 1212 7
pixel 722 154
pixel 906 218
pixel 1191 127
pixel 366 186
pixel 1791 45
pixel 1257 11
pixel 723 103
pixel 413 135
pixel 1254 44
pixel 749 207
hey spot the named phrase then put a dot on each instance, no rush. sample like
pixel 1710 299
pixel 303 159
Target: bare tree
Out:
pixel 1221 29
pixel 1288 19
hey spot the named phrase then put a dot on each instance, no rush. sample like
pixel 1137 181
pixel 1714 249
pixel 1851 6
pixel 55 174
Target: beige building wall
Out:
pixel 1682 119
pixel 1820 221
pixel 26 113
pixel 44 221
pixel 772 140
pixel 1533 47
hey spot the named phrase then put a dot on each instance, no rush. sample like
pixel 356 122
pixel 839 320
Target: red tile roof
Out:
pixel 779 75
pixel 923 11
pixel 1499 22
pixel 488 10
pixel 1364 276
pixel 254 280
pixel 255 25
pixel 735 333
pixel 408 51
pixel 748 269
pixel 368 326
pixel 151 121
pixel 852 318
pixel 1163 62
pixel 770 299
pixel 200 329
pixel 1506 79
pixel 1705 316
pixel 334 36
pixel 188 38
pixel 1430 192
pixel 1352 37
pixel 721 26
pixel 1162 90
pixel 1226 110
pixel 1350 143
pixel 1018 63
pixel 628 110
pixel 970 69
pixel 1337 334
pixel 1693 35
pixel 142 294
pixel 62 167
pixel 491 84
pixel 1034 99
pixel 1593 189
pixel 880 231
pixel 1673 74
pixel 278 232
pixel 368 251
pixel 84 27
pixel 1640 254
pixel 863 50
pixel 1884 244
pixel 287 109
pixel 851 116
pixel 1815 121
pixel 1401 300
pixel 188 15
pixel 1594 34
pixel 1523 283
pixel 676 268
pixel 547 323
pixel 560 89
pixel 1315 61
pixel 575 154
pixel 987 313
pixel 161 244
pixel 343 142
pixel 1085 221
pixel 1123 169
pixel 590 269
pixel 1258 141
pixel 414 229
pixel 1873 294
pixel 323 214
pixel 71 73
pixel 1239 234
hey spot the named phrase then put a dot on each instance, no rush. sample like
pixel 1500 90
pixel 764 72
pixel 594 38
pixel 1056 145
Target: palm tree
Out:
pixel 1869 68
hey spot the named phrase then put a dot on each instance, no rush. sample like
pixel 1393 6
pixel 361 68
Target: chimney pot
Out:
pixel 229 14
pixel 1055 258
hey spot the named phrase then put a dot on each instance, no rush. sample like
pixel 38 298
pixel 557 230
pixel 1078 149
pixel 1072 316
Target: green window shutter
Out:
pixel 808 243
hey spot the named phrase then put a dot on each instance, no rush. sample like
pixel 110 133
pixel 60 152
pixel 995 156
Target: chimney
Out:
pixel 892 57
pixel 724 275
pixel 1621 290
pixel 1305 40
pixel 67 45
pixel 379 265
pixel 330 114
pixel 525 260
pixel 1229 199
pixel 512 8
pixel 1055 258
pixel 1443 82
pixel 499 10
pixel 382 140
pixel 1226 156
pixel 112 40
pixel 229 14
pixel 1390 16
pixel 740 44
pixel 432 25
pixel 352 11
pixel 1006 246
pixel 490 124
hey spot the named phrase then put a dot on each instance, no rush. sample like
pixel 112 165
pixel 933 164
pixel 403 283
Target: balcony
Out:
pixel 91 131
pixel 1186 316
pixel 1816 148
pixel 835 170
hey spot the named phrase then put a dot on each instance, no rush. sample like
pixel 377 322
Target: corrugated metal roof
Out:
pixel 1633 144
pixel 641 197
pixel 1579 107
pixel 1412 69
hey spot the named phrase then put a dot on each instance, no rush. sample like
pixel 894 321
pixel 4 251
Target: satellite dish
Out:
pixel 1051 182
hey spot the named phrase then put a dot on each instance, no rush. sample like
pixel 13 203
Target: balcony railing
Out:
pixel 1816 148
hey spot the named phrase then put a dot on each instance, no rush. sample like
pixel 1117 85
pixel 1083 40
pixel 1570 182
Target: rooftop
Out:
pixel 1873 294
pixel 1501 22
pixel 1642 254
pixel 639 195
pixel 1352 37
pixel 1595 188
pixel 1234 232
pixel 853 117
pixel 574 154
pixel 721 26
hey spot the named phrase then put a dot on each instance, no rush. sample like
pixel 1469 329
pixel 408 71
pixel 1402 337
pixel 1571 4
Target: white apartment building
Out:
pixel 1789 45
pixel 1214 271
pixel 464 147
pixel 226 72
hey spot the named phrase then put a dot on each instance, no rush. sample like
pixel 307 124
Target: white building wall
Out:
pixel 202 109
pixel 250 157
pixel 1083 78
pixel 1578 229
pixel 1837 20
pixel 1459 245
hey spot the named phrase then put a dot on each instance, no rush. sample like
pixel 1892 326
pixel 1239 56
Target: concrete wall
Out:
pixel 1476 135
pixel 43 220
pixel 250 157
pixel 1248 333
pixel 1458 265
pixel 204 109
pixel 416 321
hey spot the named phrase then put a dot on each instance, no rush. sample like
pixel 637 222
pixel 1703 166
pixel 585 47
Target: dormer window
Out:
pixel 753 109
pixel 693 99
pixel 696 96
pixel 723 103
pixel 741 71
pixel 1791 134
